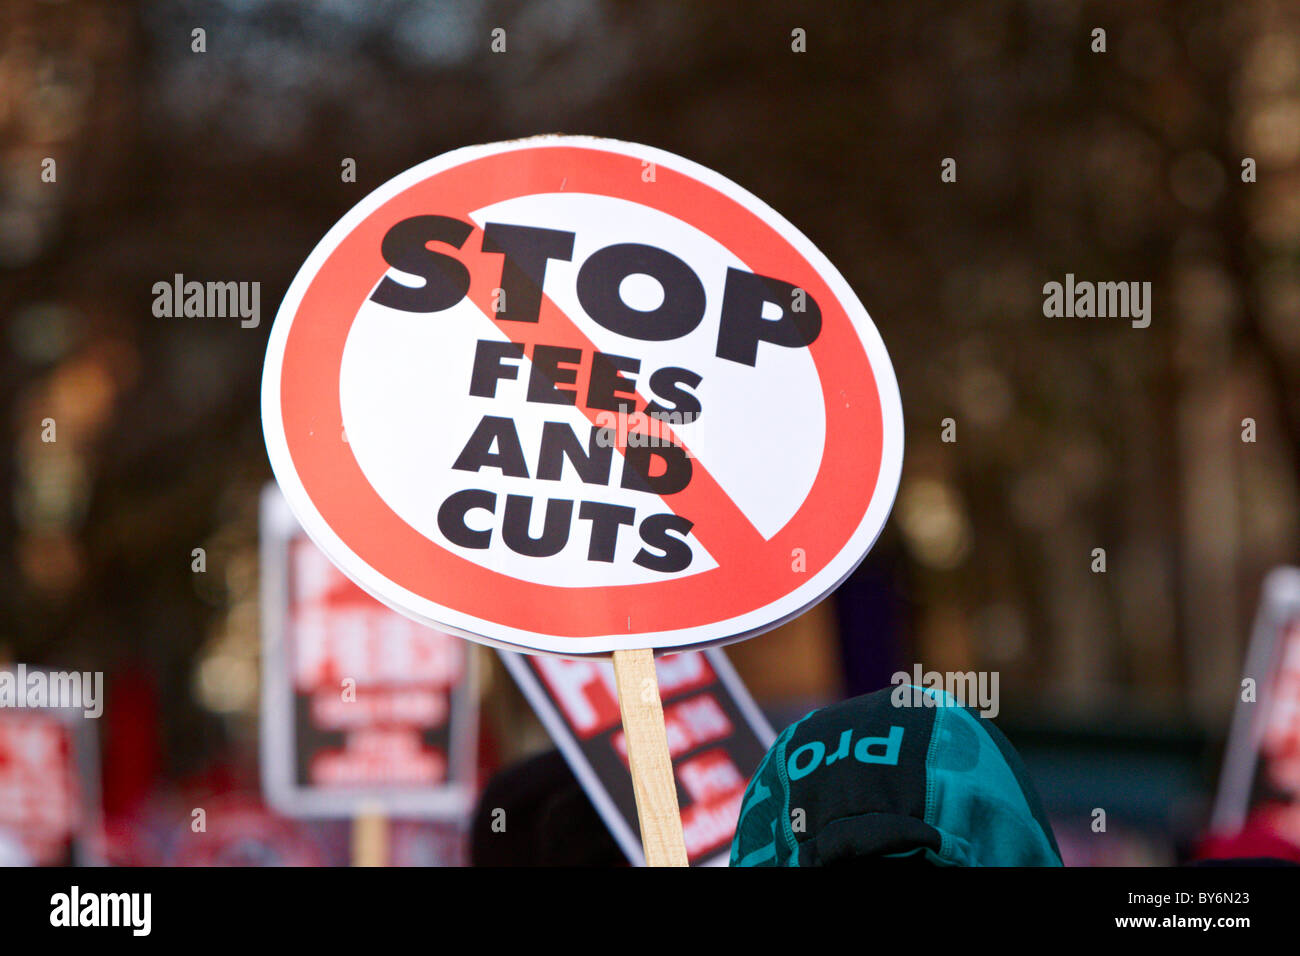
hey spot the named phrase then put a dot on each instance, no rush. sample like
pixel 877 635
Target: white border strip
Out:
pixel 1278 606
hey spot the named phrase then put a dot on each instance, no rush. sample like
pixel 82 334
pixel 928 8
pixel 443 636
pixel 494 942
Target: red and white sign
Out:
pixel 362 706
pixel 574 395
pixel 48 778
pixel 716 739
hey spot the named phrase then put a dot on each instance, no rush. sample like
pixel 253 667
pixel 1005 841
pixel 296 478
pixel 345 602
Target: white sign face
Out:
pixel 572 395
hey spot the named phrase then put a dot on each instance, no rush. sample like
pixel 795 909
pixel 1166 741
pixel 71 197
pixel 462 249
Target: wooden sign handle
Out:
pixel 370 837
pixel 647 755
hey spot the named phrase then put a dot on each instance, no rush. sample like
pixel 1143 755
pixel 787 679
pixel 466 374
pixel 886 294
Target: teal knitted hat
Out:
pixel 903 773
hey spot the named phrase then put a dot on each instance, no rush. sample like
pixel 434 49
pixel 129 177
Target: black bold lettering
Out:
pixel 547 374
pixel 603 273
pixel 559 442
pixel 527 250
pixel 555 528
pixel 605 521
pixel 489 369
pixel 676 552
pixel 607 382
pixel 478 453
pixel 451 517
pixel 405 248
pixel 666 383
pixel 742 325
pixel 675 476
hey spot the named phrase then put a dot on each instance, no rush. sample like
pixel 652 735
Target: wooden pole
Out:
pixel 370 837
pixel 647 755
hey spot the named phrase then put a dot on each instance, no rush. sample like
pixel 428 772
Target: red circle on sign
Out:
pixel 752 573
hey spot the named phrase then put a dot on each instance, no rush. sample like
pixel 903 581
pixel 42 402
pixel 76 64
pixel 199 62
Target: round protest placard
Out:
pixel 574 395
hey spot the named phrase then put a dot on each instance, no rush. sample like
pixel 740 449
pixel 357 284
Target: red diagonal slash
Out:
pixel 720 525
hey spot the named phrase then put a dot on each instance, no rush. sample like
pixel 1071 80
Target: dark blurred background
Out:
pixel 1072 433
